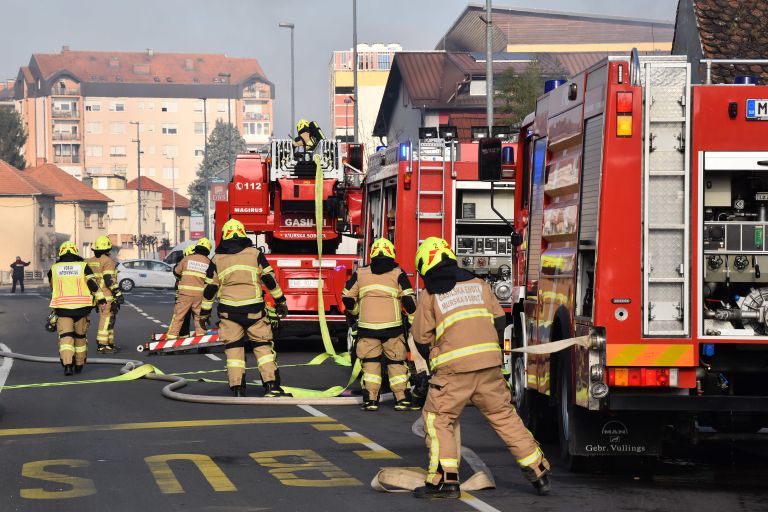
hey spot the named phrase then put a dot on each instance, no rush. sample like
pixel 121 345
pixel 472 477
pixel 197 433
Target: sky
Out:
pixel 248 28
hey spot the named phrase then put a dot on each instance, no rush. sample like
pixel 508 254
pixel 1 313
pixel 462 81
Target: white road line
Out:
pixel 311 410
pixel 5 368
pixel 478 504
pixel 213 356
pixel 164 326
pixel 373 446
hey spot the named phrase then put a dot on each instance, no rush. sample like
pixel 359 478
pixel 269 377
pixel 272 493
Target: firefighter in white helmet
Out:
pixel 374 297
pixel 240 270
pixel 105 269
pixel 74 287
pixel 457 329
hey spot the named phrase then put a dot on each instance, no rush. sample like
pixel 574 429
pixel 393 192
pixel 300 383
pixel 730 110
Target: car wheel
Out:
pixel 126 285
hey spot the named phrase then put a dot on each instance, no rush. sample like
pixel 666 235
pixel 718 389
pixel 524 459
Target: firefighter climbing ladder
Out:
pixel 666 203
pixel 432 165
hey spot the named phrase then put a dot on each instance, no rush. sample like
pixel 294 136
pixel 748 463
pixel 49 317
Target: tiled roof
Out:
pixel 14 182
pixel 733 29
pixel 146 67
pixel 70 189
pixel 150 184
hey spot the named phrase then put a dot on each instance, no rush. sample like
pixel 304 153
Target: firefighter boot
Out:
pixel 239 390
pixel 79 368
pixel 273 389
pixel 445 490
pixel 368 404
pixel 538 475
pixel 69 369
pixel 406 403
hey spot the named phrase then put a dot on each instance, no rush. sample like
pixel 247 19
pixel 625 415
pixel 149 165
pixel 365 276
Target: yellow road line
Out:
pixel 10 432
pixel 331 426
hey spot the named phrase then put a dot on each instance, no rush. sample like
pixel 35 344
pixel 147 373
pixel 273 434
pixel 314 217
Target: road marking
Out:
pixel 477 504
pixel 5 368
pixel 286 470
pixel 311 410
pixel 168 483
pixel 280 420
pixel 68 486
pixel 330 426
pixel 213 356
pixel 374 451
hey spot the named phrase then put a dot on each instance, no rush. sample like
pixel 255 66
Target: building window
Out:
pixel 95 151
pixel 170 129
pixel 101 183
pixel 116 106
pixel 199 152
pixel 169 106
pixel 384 61
pixel 87 218
pixel 117 128
pixel 149 172
pixel 149 105
pixel 117 151
pixel 41 217
pixel 93 107
pixel 101 220
pixel 222 107
pixel 157 213
pixel 171 151
pixel 50 216
pixel 94 128
pixel 170 173
pixel 149 149
pixel 117 212
pixel 150 128
pixel 199 128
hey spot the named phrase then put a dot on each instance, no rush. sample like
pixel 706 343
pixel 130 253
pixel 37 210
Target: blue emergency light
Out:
pixel 405 151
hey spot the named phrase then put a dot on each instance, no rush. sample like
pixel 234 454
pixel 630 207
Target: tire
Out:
pixel 127 285
pixel 567 417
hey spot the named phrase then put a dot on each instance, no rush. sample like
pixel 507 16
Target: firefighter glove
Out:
pixel 281 308
pixel 102 301
pixel 272 317
pixel 120 299
pixel 205 319
pixel 420 388
pixel 50 322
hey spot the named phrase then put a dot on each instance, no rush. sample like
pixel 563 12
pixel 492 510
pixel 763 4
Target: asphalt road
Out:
pixel 121 446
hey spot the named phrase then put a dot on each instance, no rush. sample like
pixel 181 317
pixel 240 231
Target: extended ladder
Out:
pixel 666 196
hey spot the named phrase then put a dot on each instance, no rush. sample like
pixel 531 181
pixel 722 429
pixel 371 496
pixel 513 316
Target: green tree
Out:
pixel 221 153
pixel 12 138
pixel 518 91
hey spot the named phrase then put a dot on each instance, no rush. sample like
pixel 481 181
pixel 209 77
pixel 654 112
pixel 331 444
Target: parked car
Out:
pixel 173 257
pixel 145 274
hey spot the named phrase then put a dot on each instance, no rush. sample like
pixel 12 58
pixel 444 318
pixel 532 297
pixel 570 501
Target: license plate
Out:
pixel 302 283
pixel 757 109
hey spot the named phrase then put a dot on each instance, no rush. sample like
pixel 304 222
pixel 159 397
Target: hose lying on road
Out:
pixel 177 382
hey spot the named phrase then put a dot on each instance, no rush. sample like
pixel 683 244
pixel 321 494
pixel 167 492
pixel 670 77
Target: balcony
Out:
pixel 66 114
pixel 119 170
pixel 66 136
pixel 65 91
pixel 66 159
pixel 256 116
pixel 115 170
pixel 254 93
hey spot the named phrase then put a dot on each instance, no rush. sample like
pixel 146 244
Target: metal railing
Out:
pixel 732 62
pixel 66 136
pixel 255 116
pixel 66 159
pixel 66 114
pixel 65 91
pixel 286 158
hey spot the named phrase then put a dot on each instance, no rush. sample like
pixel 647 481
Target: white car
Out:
pixel 145 274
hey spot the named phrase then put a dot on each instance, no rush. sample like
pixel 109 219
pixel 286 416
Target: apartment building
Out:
pixel 174 209
pixel 85 111
pixel 373 64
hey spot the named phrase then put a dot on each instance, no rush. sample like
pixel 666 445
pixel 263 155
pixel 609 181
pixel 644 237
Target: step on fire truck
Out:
pixel 273 196
pixel 431 188
pixel 642 204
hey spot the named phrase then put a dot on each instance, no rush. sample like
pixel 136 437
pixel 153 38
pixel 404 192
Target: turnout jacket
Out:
pixel 459 327
pixel 376 300
pixel 194 273
pixel 105 270
pixel 73 287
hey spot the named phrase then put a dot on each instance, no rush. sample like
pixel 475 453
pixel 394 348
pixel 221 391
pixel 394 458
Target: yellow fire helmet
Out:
pixel 430 254
pixel 382 247
pixel 68 247
pixel 302 124
pixel 189 250
pixel 103 243
pixel 204 242
pixel 231 229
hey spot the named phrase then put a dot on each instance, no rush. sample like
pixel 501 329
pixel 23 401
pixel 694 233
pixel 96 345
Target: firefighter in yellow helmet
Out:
pixel 74 287
pixel 457 329
pixel 105 269
pixel 239 271
pixel 309 136
pixel 184 331
pixel 374 298
pixel 194 272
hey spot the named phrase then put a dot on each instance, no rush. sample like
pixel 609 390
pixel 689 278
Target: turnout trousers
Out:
pixel 448 394
pixel 369 351
pixel 235 331
pixel 105 334
pixel 184 305
pixel 73 345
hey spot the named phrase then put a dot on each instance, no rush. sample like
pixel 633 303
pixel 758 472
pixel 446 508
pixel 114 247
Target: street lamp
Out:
pixel 205 163
pixel 285 24
pixel 173 197
pixel 347 102
pixel 229 120
pixel 138 167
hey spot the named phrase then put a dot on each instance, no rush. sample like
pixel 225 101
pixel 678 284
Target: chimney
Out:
pixel 65 48
pixel 189 64
pixel 150 52
pixel 114 62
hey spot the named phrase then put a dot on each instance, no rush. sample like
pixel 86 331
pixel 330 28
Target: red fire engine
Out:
pixel 274 196
pixel 430 188
pixel 643 205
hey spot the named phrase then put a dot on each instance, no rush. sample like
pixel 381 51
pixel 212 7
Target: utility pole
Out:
pixel 173 199
pixel 138 167
pixel 228 76
pixel 285 24
pixel 354 64
pixel 205 163
pixel 489 66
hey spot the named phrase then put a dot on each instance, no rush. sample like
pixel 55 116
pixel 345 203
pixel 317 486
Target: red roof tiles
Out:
pixel 150 184
pixel 69 188
pixel 14 182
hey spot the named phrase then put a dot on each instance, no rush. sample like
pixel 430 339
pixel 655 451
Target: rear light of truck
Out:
pixel 407 180
pixel 507 346
pixel 644 377
pixel 624 102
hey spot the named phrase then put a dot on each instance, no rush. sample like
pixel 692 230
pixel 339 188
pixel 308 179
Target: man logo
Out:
pixel 614 430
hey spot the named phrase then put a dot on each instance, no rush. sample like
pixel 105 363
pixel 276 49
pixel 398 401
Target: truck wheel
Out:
pixel 567 417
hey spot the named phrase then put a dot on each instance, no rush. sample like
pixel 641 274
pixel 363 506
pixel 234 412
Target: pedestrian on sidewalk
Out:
pixel 18 273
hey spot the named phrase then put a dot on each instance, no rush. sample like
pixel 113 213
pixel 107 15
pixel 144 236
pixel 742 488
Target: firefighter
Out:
pixel 373 298
pixel 457 328
pixel 239 271
pixel 184 331
pixel 74 287
pixel 194 272
pixel 309 136
pixel 105 270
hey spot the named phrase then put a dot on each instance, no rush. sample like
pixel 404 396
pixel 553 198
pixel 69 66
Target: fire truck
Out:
pixel 431 187
pixel 642 202
pixel 273 195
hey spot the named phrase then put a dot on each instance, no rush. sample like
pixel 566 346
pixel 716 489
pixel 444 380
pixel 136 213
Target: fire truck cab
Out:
pixel 642 203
